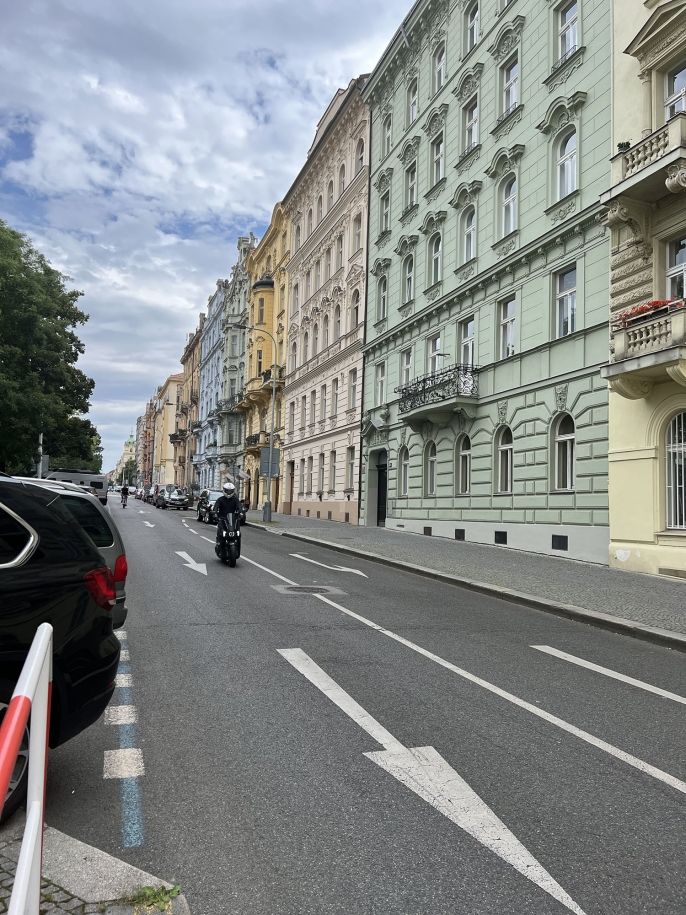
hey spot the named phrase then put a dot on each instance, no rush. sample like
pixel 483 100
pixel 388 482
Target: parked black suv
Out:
pixel 50 571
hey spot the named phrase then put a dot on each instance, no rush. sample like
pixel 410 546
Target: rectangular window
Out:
pixel 339 252
pixel 332 471
pixel 308 284
pixel 567 29
pixel 380 383
pixel 505 468
pixel 565 301
pixel 385 212
pixel 322 402
pixel 291 416
pixel 327 264
pixel 301 488
pixel 510 82
pixel 357 232
pixel 303 411
pixel 350 469
pixel 260 311
pixel 310 468
pixel 405 366
pixel 472 26
pixel 296 297
pixel 411 185
pixel 676 92
pixel 334 397
pixel 313 407
pixel 318 274
pixel 320 481
pixel 471 125
pixel 506 320
pixel 352 389
pixel 234 345
pixel 433 354
pixel 676 268
pixel 233 387
pixel 259 362
pixel 437 159
pixel 467 341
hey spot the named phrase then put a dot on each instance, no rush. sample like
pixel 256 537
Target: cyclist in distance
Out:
pixel 124 495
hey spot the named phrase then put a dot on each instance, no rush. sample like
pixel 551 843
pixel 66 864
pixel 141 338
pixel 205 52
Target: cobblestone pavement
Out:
pixel 646 599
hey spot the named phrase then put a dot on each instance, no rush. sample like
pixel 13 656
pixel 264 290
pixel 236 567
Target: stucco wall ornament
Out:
pixel 380 266
pixel 408 151
pixel 432 222
pixel 561 391
pixel 505 160
pixel 502 412
pixel 564 211
pixel 466 194
pixel 383 180
pixel 435 120
pixel 676 177
pixel 406 244
pixel 466 272
pixel 468 84
pixel 507 38
pixel 562 111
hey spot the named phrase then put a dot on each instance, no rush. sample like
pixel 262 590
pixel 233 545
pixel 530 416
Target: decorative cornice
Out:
pixel 436 190
pixel 406 244
pixel 505 160
pixel 408 150
pixel 380 266
pixel 562 111
pixel 466 194
pixel 468 84
pixel 432 222
pixel 383 180
pixel 435 120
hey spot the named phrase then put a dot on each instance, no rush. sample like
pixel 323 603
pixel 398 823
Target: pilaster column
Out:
pixel 646 103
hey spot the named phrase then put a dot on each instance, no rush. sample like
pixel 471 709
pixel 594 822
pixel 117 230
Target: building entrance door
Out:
pixel 382 487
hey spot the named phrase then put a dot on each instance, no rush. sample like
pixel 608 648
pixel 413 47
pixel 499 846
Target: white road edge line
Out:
pixel 424 771
pixel 121 714
pixel 607 672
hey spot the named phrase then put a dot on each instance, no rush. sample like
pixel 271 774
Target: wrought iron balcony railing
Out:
pixel 436 387
pixel 252 440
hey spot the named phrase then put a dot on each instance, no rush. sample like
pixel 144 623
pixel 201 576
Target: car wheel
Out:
pixel 16 793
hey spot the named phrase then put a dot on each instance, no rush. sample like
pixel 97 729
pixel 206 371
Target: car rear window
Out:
pixel 96 484
pixel 13 537
pixel 90 520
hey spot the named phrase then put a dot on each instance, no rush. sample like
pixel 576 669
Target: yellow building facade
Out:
pixel 646 216
pixel 166 406
pixel 261 398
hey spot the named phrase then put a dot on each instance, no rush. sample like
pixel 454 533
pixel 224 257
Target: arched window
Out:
pixel 315 340
pixel 355 309
pixel 341 180
pixel 463 462
pixel 403 472
pixel 412 102
pixel 387 136
pixel 468 234
pixel 320 209
pixel 337 323
pixel 381 298
pixel 325 332
pixel 359 156
pixel 675 472
pixel 566 165
pixel 509 205
pixel 504 459
pixel 310 222
pixel 439 67
pixel 306 347
pixel 329 196
pixel 318 274
pixel 408 278
pixel 430 469
pixel 564 452
pixel 435 258
pixel 297 237
pixel 294 356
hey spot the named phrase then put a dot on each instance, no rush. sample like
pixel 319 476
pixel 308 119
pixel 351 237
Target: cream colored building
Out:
pixel 327 209
pixel 647 218
pixel 167 404
pixel 128 454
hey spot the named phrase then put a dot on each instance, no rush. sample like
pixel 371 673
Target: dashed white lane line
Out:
pixel 126 763
pixel 607 672
pixel 121 714
pixel 122 635
pixel 124 655
pixel 123 680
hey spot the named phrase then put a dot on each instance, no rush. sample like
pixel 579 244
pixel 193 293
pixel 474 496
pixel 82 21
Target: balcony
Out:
pixel 195 427
pixel 438 395
pixel 228 405
pixel 178 437
pixel 211 451
pixel 644 171
pixel 647 348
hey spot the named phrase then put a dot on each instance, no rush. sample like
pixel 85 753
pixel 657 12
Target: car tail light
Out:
pixel 121 568
pixel 100 583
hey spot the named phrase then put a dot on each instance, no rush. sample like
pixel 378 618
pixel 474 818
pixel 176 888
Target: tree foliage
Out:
pixel 40 387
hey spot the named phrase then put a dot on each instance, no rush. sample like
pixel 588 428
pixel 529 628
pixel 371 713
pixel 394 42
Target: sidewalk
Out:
pixel 81 880
pixel 646 606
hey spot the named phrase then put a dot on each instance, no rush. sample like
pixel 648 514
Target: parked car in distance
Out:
pixel 95 482
pixel 50 571
pixel 171 498
pixel 140 492
pixel 205 506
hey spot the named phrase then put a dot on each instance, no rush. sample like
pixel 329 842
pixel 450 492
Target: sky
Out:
pixel 139 140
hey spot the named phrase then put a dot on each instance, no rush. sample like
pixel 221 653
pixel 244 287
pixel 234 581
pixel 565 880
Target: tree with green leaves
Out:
pixel 41 389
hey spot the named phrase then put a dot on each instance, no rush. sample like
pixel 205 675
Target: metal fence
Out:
pixel 446 384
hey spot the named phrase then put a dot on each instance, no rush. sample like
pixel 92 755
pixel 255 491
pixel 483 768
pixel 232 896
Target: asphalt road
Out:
pixel 295 782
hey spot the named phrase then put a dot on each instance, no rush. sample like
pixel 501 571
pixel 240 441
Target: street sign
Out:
pixel 264 462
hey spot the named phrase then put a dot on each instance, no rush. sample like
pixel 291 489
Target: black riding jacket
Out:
pixel 227 505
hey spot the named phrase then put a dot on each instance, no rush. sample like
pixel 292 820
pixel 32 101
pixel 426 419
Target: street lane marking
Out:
pixel 424 771
pixel 124 655
pixel 148 524
pixel 641 684
pixel 192 531
pixel 191 563
pixel 126 763
pixel 123 680
pixel 121 714
pixel 121 635
pixel 269 571
pixel 333 568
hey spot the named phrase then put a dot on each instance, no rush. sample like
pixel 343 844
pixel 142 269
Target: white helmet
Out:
pixel 229 488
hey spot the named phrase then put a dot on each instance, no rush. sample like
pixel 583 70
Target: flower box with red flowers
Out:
pixel 656 308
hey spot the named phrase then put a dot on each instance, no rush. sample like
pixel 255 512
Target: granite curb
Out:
pixel 617 624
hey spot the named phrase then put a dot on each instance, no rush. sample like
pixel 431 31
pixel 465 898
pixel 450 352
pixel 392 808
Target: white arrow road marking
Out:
pixel 641 684
pixel 333 568
pixel 424 771
pixel 141 512
pixel 192 564
pixel 148 524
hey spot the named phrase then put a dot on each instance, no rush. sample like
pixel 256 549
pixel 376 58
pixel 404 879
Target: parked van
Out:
pixel 96 482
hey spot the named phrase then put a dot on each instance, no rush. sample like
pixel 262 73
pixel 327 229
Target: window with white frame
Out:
pixel 412 102
pixel 297 238
pixel 359 156
pixel 334 396
pixel 325 332
pixel 259 362
pixel 317 274
pixel 405 366
pixel 234 345
pixel 387 135
pixel 471 124
pixel 439 68
pixel 341 180
pixel 676 268
pixel 568 22
pixel 339 252
pixel 675 100
pixel 320 475
pixel 303 411
pixel 385 212
pixel 296 296
pixel 430 469
pixel 464 465
pixel 337 323
pixel 308 284
pixel 565 301
pixel 350 468
pixel 322 402
pixel 566 164
pixel 315 339
pixel 472 26
pixel 408 278
pixel 403 471
pixel 332 471
pixel 310 466
pixel 355 309
pixel 435 270
pixel 357 232
pixel 434 356
pixel 380 383
pixel 301 489
pixel 260 311
pixel 468 234
pixel 675 473
pixel 565 434
pixel 510 85
pixel 352 389
pixel 329 196
pixel 411 185
pixel 437 158
pixel 466 335
pixel 291 416
pixel 310 222
pixel 381 298
pixel 294 356
pixel 313 407
pixel 306 346
pixel 320 209
pixel 504 456
pixel 327 264
pixel 506 323
pixel 508 205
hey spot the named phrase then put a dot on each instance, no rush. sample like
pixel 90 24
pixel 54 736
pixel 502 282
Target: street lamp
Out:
pixel 267 508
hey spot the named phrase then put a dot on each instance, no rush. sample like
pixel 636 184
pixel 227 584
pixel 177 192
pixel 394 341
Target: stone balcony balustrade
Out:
pixel 657 161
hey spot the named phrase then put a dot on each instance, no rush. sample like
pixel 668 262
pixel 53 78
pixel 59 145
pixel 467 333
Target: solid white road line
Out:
pixel 121 714
pixel 123 764
pixel 641 684
pixel 333 568
pixel 269 571
pixel 424 771
pixel 123 680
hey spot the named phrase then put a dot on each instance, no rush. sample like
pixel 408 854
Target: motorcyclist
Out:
pixel 226 504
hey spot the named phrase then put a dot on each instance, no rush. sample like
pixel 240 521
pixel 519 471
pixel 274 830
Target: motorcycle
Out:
pixel 228 546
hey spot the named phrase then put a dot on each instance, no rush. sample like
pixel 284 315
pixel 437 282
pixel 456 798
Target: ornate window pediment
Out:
pixel 408 151
pixel 435 120
pixel 381 265
pixel 406 244
pixel 466 194
pixel 468 84
pixel 562 111
pixel 505 160
pixel 383 180
pixel 662 34
pixel 507 38
pixel 432 222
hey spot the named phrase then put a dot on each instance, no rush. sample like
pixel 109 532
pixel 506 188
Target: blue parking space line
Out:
pixel 127 736
pixel 132 813
pixel 123 695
